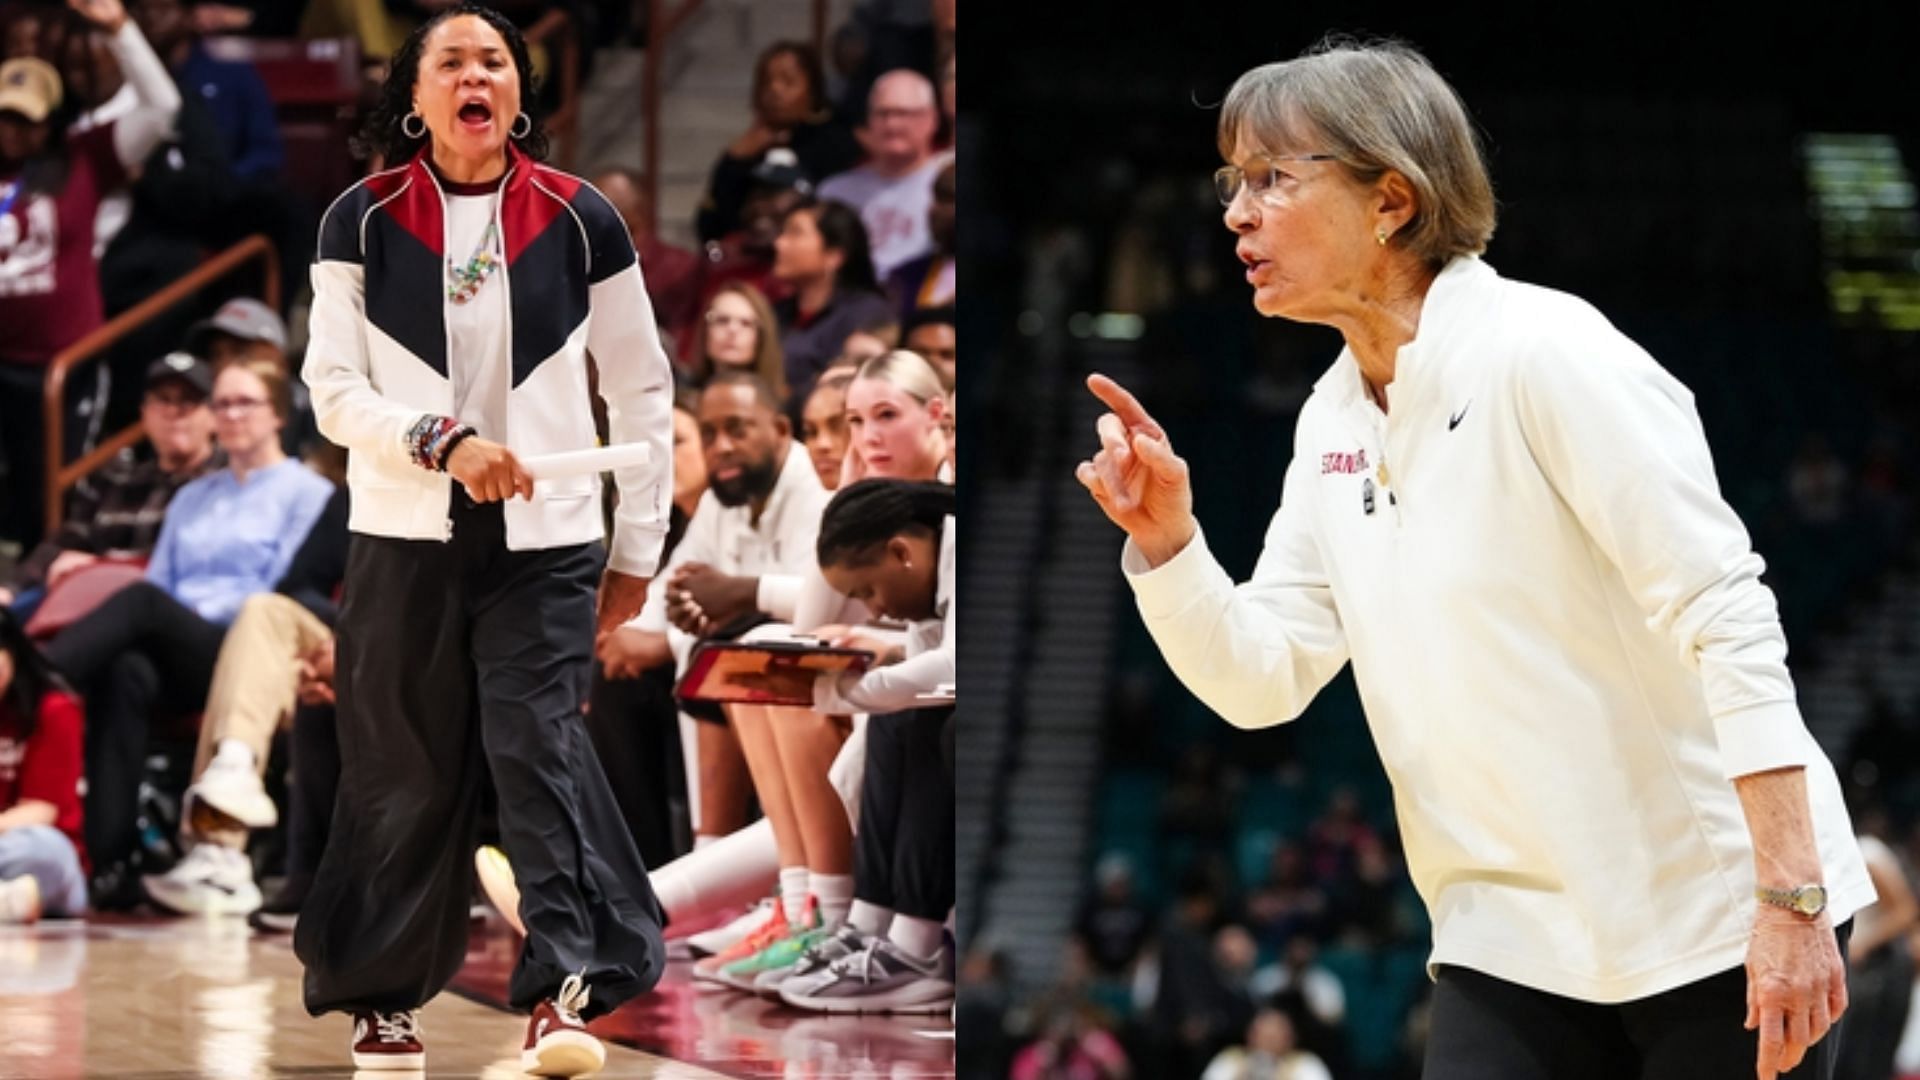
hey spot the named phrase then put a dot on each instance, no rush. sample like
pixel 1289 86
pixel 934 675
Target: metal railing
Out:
pixel 62 475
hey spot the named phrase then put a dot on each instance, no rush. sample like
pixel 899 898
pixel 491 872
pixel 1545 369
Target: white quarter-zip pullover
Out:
pixel 1559 634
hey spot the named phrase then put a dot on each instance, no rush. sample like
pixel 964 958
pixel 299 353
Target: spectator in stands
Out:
pixel 930 333
pixel 151 647
pixel 51 186
pixel 673 273
pixel 1591 713
pixel 747 254
pixel 740 332
pixel 118 511
pixel 789 111
pixel 42 850
pixel 1074 1045
pixel 823 426
pixel 896 420
pixel 1270 1053
pixel 1113 923
pixel 870 342
pixel 1299 972
pixel 1290 903
pixel 893 191
pixel 1817 481
pixel 1880 974
pixel 1337 838
pixel 231 92
pixel 244 327
pixel 822 253
pixel 931 280
pixel 277 639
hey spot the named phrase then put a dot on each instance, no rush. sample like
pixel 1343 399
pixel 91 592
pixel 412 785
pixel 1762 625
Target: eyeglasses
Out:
pixel 240 406
pixel 1259 177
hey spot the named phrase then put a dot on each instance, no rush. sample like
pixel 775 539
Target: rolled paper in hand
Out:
pixel 577 462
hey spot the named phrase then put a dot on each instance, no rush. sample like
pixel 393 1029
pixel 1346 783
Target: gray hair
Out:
pixel 1376 106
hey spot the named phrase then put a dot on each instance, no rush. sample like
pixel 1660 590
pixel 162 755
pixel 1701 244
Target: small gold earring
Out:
pixel 1381 235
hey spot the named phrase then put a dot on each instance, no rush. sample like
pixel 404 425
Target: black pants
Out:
pixel 452 661
pixel 1485 1028
pixel 139 654
pixel 636 735
pixel 23 442
pixel 1879 992
pixel 903 852
pixel 316 776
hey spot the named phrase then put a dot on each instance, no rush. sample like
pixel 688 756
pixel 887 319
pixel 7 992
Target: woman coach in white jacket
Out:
pixel 1504 512
pixel 456 297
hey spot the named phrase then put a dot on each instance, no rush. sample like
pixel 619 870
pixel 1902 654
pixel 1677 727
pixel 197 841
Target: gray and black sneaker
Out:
pixel 877 978
pixel 815 960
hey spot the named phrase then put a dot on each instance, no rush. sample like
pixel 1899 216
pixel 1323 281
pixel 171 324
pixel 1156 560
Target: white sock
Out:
pixel 234 748
pixel 793 892
pixel 834 893
pixel 918 938
pixel 869 919
pixel 732 870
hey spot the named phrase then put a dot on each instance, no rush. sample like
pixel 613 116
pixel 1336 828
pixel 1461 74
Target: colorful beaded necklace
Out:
pixel 465 281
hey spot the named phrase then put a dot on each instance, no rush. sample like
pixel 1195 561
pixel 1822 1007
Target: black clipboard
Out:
pixel 713 662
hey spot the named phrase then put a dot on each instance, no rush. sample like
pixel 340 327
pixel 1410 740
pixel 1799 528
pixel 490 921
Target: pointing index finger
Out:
pixel 1124 405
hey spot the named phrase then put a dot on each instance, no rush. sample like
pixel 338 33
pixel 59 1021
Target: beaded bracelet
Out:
pixel 427 435
pixel 444 450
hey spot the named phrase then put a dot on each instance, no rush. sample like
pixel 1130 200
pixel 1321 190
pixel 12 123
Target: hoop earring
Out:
pixel 522 126
pixel 410 133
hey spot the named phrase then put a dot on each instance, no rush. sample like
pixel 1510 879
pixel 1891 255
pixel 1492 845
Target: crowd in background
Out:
pixel 166 649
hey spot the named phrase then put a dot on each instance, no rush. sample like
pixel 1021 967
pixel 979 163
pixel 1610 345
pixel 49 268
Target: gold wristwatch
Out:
pixel 1808 900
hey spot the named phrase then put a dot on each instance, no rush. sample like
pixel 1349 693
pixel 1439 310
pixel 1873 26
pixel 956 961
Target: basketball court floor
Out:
pixel 148 999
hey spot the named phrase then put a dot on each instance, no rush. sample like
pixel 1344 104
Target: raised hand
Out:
pixel 1137 479
pixel 108 15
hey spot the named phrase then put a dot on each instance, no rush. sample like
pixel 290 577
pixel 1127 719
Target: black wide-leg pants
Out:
pixel 903 853
pixel 454 660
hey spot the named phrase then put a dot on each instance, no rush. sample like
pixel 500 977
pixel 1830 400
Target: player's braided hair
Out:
pixel 868 513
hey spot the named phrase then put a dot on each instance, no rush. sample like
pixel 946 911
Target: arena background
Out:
pixel 1736 194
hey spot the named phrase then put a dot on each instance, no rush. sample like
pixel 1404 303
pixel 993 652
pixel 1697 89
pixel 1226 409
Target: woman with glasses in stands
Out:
pixel 149 650
pixel 1504 512
pixel 51 186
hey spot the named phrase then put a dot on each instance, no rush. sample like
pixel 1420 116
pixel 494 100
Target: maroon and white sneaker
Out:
pixel 557 1041
pixel 383 1041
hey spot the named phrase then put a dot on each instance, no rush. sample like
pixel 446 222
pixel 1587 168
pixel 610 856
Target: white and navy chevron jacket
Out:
pixel 377 355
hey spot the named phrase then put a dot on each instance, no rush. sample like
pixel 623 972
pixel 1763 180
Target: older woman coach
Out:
pixel 1504 512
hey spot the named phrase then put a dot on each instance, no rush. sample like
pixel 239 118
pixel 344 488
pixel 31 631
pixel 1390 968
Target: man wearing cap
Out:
pixel 118 511
pixel 51 186
pixel 746 254
pixel 244 327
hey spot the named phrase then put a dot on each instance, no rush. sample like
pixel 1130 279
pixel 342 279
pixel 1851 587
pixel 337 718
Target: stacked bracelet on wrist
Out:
pixel 432 438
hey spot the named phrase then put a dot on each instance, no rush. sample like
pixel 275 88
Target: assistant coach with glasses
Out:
pixel 456 297
pixel 1504 512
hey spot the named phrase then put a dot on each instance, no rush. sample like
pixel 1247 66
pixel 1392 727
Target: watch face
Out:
pixel 1810 899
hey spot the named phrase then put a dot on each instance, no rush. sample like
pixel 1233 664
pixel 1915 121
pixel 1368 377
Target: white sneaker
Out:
pixel 231 785
pixel 211 880
pixel 726 936
pixel 497 882
pixel 20 901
